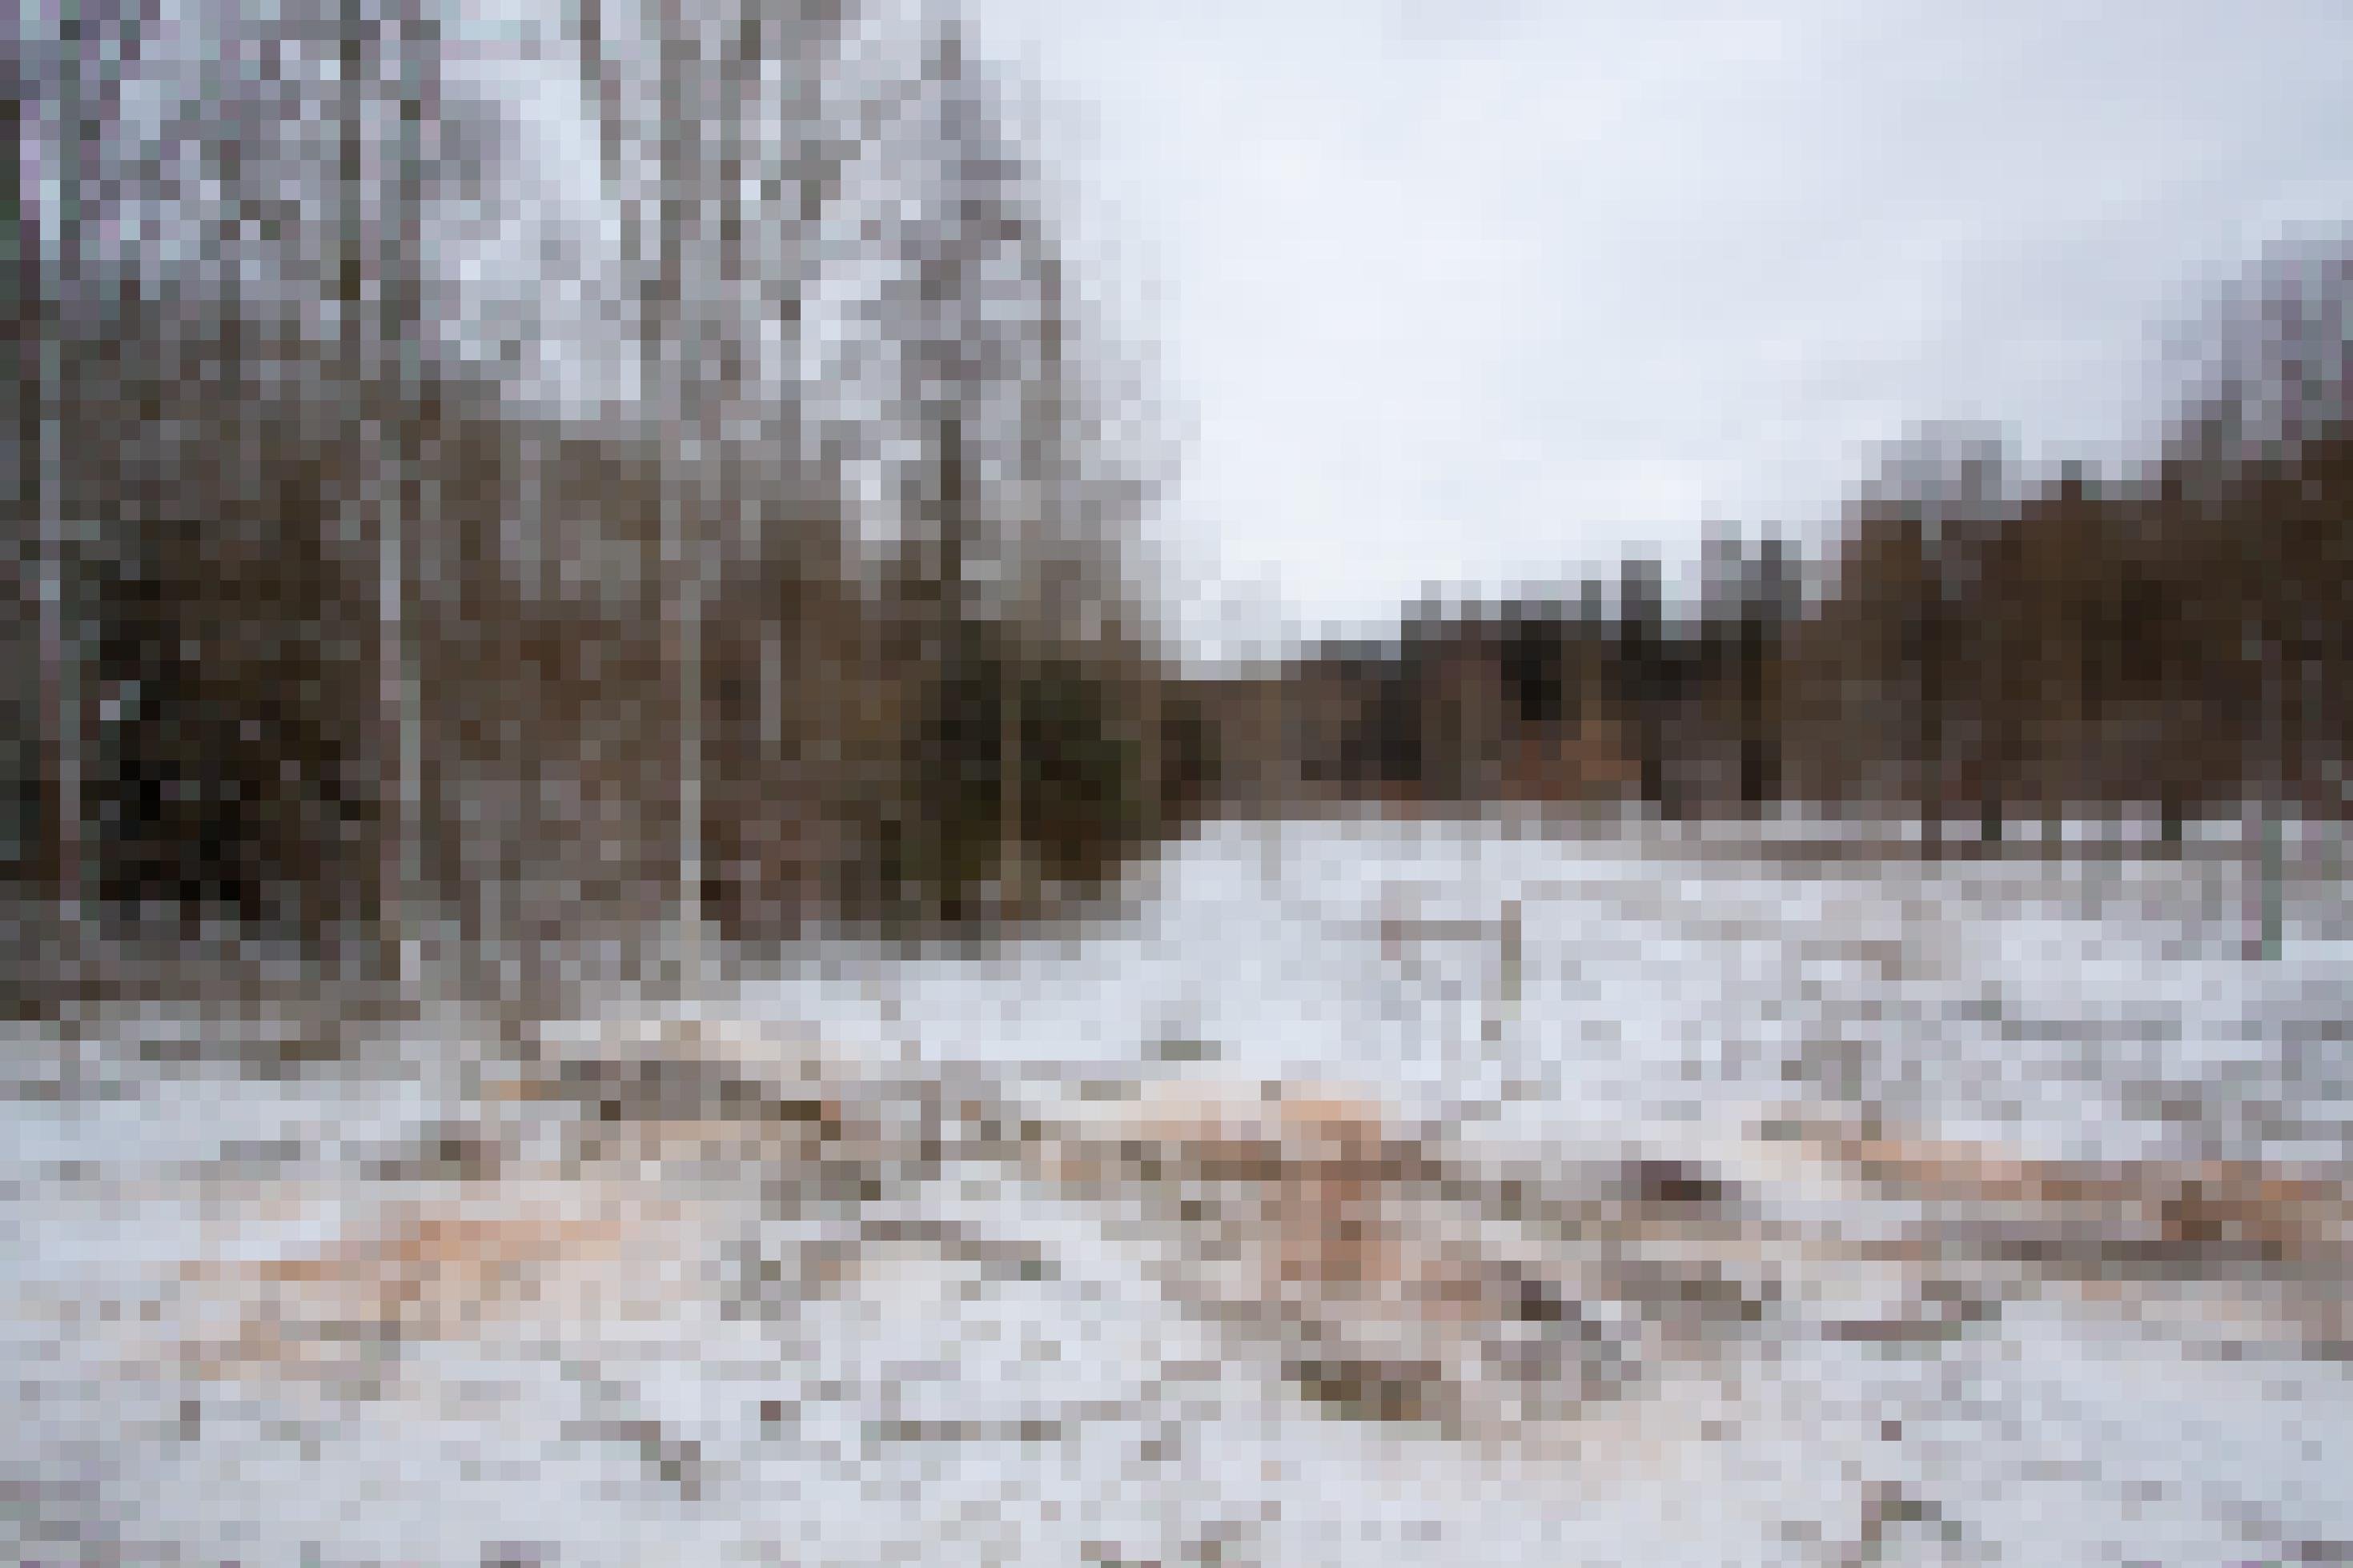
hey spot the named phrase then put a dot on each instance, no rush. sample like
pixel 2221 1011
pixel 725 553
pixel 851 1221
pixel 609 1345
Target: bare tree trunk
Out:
pixel 1013 871
pixel 61 747
pixel 1153 791
pixel 398 837
pixel 678 198
pixel 61 739
pixel 400 517
pixel 2260 826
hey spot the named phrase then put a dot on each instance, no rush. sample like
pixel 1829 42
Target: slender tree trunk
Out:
pixel 1152 792
pixel 361 339
pixel 402 515
pixel 1013 872
pixel 61 739
pixel 677 202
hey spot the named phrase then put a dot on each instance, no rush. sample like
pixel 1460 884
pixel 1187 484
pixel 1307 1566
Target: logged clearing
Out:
pixel 1887 1211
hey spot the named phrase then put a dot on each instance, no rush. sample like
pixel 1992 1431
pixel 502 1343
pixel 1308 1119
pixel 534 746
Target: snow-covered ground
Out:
pixel 490 1292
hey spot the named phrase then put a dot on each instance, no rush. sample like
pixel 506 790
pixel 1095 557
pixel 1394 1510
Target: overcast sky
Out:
pixel 1474 292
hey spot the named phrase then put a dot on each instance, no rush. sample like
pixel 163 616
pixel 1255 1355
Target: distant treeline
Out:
pixel 1980 643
